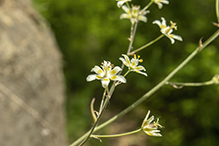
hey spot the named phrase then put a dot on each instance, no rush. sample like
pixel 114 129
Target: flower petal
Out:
pixel 146 118
pixel 163 21
pixel 118 78
pixel 142 18
pixel 153 133
pixel 143 73
pixel 120 3
pixel 125 16
pixel 149 120
pixel 160 5
pixel 97 70
pixel 105 82
pixel 165 1
pixel 157 22
pixel 126 58
pixel 125 61
pixel 177 37
pixel 115 71
pixel 91 78
pixel 126 9
pixel 171 39
pixel 140 68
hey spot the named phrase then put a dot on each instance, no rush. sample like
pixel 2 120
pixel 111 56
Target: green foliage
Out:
pixel 89 32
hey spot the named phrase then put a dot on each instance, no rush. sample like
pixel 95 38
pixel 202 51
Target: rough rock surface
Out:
pixel 31 79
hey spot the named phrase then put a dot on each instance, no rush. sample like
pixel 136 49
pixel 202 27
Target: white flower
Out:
pixel 133 64
pixel 151 128
pixel 134 13
pixel 167 30
pixel 106 73
pixel 159 3
pixel 121 2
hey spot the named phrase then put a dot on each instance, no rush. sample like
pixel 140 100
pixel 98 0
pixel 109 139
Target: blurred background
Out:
pixel 89 32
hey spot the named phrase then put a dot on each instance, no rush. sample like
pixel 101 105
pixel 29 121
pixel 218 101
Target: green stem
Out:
pixel 102 109
pixel 147 6
pixel 112 89
pixel 126 73
pixel 103 106
pixel 102 101
pixel 132 36
pixel 192 84
pixel 153 90
pixel 217 10
pixel 148 44
pixel 118 135
pixel 128 5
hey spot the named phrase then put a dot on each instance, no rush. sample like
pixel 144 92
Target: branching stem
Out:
pixel 145 46
pixel 149 93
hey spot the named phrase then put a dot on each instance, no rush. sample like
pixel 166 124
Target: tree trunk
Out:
pixel 31 79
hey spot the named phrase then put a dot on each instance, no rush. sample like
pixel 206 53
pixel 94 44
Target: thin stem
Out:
pixel 147 6
pixel 153 90
pixel 192 84
pixel 126 73
pixel 132 36
pixel 118 135
pixel 102 101
pixel 98 118
pixel 158 86
pixel 112 89
pixel 128 5
pixel 217 10
pixel 147 45
pixel 102 109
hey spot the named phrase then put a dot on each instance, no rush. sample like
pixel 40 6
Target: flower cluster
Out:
pixel 134 13
pixel 167 30
pixel 106 73
pixel 150 127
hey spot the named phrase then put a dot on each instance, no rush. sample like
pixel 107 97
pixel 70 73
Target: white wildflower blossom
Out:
pixel 133 64
pixel 105 73
pixel 150 127
pixel 167 30
pixel 134 14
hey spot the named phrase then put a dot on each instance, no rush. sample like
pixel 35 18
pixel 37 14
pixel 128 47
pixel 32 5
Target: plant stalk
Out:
pixel 153 90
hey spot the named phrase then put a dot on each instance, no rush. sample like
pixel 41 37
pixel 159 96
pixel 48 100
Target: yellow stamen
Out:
pixel 135 56
pixel 173 25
